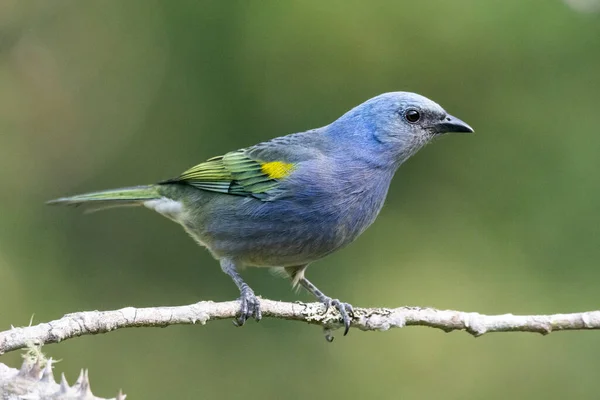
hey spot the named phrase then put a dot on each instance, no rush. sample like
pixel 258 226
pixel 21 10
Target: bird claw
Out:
pixel 346 311
pixel 250 307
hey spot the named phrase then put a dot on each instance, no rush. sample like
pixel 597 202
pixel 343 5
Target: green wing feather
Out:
pixel 236 173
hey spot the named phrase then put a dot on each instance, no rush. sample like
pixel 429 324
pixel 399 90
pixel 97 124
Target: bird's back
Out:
pixel 322 206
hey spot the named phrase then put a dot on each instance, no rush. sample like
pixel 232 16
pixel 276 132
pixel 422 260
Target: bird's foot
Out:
pixel 345 309
pixel 250 307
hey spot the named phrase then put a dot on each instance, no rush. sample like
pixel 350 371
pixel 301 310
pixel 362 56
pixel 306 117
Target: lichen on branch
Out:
pixel 366 319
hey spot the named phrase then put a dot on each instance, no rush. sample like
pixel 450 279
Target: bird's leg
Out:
pixel 250 306
pixel 345 309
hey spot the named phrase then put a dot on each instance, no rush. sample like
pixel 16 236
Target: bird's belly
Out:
pixel 274 236
pixel 274 246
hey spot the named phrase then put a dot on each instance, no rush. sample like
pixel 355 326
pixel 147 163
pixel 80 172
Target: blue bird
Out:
pixel 294 199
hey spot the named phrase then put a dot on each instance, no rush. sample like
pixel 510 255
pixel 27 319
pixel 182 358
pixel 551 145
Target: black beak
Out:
pixel 452 124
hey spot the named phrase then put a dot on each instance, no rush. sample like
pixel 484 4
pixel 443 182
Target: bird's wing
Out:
pixel 237 173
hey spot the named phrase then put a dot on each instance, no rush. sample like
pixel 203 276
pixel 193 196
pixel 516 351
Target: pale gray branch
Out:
pixel 35 381
pixel 366 319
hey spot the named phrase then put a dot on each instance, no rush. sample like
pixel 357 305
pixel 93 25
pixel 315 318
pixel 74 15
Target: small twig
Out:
pixel 366 319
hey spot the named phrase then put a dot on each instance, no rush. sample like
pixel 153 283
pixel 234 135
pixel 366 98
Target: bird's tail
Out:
pixel 130 196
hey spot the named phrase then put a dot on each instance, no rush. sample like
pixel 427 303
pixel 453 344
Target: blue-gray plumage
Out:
pixel 294 199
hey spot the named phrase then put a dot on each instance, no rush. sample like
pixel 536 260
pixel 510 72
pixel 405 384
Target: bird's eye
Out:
pixel 412 116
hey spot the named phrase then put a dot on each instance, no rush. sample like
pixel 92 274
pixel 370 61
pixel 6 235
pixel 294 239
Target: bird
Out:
pixel 292 200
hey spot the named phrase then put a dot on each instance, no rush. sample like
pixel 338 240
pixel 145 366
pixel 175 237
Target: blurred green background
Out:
pixel 101 94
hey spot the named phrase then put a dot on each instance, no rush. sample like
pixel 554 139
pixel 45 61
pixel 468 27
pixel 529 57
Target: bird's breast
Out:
pixel 305 225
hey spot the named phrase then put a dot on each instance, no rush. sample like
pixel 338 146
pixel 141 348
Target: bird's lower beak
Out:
pixel 452 125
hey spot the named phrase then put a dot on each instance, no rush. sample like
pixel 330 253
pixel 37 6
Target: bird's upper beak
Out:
pixel 451 124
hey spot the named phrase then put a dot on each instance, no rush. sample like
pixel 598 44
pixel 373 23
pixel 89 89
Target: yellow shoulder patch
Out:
pixel 277 169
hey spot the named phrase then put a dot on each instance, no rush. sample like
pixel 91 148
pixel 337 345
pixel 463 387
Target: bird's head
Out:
pixel 397 124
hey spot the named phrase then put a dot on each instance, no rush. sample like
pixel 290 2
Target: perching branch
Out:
pixel 366 319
